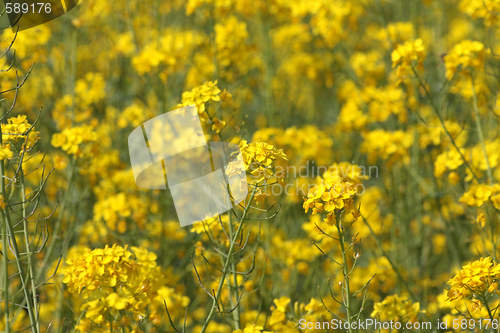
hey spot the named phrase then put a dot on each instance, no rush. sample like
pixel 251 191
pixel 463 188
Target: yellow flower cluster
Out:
pixel 252 328
pixel 396 308
pixel 168 52
pixel 259 157
pixel 113 279
pixel 478 194
pixel 12 133
pixel 5 152
pixel 396 33
pixel 233 52
pixel 97 269
pixel 387 145
pixel 200 95
pixel 228 37
pixel 71 139
pixel 484 9
pixel 404 56
pixel 113 210
pixel 133 115
pixel 89 91
pixel 278 315
pixel 302 144
pixel 352 173
pixel 330 196
pixel 475 279
pixel 465 55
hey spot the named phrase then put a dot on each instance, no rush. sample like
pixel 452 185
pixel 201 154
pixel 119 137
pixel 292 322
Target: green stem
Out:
pixel 480 132
pixel 58 223
pixel 379 245
pixel 268 58
pixel 15 248
pixel 5 261
pixel 27 242
pixel 485 302
pixel 228 262
pixel 234 283
pixel 345 272
pixel 436 111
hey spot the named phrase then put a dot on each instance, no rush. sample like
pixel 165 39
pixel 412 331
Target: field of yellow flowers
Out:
pixel 369 134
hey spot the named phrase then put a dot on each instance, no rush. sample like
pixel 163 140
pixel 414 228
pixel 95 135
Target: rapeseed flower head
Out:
pixel 466 55
pixel 259 157
pixel 396 308
pixel 71 139
pixel 330 196
pixel 476 278
pixel 14 133
pixel 482 9
pixel 113 279
pixel 391 146
pixel 5 152
pixel 201 95
pixel 478 194
pixel 404 57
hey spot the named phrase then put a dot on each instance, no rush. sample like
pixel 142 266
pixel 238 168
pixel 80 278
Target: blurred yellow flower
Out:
pixel 404 56
pixel 251 328
pixel 396 308
pixel 5 152
pixel 71 139
pixel 466 55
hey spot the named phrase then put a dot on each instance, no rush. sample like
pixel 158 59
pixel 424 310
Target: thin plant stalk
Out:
pixel 8 229
pixel 58 224
pixel 345 284
pixel 5 261
pixel 228 262
pixel 234 282
pixel 436 111
pixel 26 238
pixel 480 133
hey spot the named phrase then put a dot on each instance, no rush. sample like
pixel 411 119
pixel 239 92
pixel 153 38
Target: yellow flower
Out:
pixel 210 92
pixel 391 146
pixel 113 281
pixel 331 195
pixel 404 56
pixel 465 55
pixel 5 152
pixel 201 95
pixel 396 308
pixel 481 220
pixel 218 125
pixel 71 139
pixel 484 9
pixel 251 328
pixel 478 194
pixel 278 314
pixel 16 126
pixel 476 305
pixel 478 277
pixel 259 157
pixel 282 303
